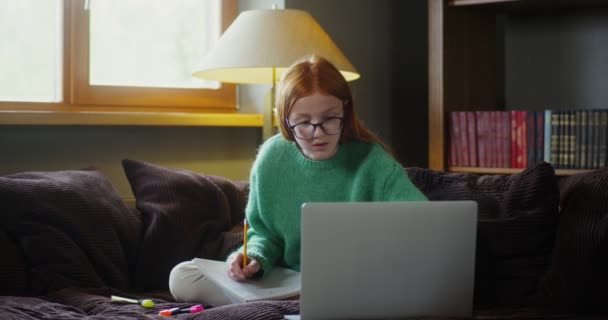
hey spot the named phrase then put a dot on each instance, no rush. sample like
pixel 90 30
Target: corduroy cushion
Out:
pixel 72 227
pixel 13 276
pixel 185 215
pixel 70 304
pixel 516 229
pixel 578 277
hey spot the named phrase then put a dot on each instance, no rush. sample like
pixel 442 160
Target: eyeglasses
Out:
pixel 306 130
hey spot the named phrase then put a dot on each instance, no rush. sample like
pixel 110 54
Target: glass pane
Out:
pixel 31 49
pixel 151 43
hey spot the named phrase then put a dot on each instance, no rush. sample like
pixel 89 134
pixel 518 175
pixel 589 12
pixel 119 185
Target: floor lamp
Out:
pixel 260 44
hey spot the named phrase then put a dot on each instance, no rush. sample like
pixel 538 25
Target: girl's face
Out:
pixel 316 109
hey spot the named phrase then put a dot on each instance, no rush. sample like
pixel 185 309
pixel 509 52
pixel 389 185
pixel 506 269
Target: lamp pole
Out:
pixel 273 103
pixel 273 91
pixel 270 121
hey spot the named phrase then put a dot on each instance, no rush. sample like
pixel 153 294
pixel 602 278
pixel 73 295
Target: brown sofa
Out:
pixel 68 241
pixel 542 244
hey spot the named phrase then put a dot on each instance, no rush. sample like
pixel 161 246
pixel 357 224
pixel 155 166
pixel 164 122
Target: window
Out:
pixel 150 43
pixel 114 55
pixel 31 50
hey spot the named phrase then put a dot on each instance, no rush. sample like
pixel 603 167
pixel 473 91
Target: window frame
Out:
pixel 79 96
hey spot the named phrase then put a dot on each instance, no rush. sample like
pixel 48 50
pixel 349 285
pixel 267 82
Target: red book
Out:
pixel 519 139
pixel 514 139
pixel 472 138
pixel 524 135
pixel 482 128
pixel 453 159
pixel 464 143
pixel 506 143
pixel 503 144
pixel 499 140
pixel 493 139
pixel 521 145
pixel 490 131
pixel 530 138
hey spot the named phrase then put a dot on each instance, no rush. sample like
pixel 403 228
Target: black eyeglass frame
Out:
pixel 315 125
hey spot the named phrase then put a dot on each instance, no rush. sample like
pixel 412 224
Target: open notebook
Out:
pixel 280 283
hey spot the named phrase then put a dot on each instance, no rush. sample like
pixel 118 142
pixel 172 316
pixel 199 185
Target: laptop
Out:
pixel 370 260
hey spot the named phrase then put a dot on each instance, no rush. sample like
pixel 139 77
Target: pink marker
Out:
pixel 173 311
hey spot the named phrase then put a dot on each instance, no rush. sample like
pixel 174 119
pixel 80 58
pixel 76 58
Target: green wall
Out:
pixel 386 40
pixel 227 152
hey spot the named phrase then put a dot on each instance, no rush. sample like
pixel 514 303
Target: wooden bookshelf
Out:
pixel 477 170
pixel 466 67
pixel 475 2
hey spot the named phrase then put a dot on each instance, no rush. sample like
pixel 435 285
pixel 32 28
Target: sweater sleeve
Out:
pixel 262 244
pixel 399 187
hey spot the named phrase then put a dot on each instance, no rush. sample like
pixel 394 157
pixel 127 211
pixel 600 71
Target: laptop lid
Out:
pixel 387 259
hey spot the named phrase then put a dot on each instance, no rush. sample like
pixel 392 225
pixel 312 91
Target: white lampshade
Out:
pixel 260 40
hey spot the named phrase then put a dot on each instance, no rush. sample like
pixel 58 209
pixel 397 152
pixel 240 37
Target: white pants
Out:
pixel 188 284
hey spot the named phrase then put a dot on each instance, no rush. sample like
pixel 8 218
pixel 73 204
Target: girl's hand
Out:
pixel 237 272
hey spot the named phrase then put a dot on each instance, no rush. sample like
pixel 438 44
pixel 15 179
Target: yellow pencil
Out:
pixel 244 243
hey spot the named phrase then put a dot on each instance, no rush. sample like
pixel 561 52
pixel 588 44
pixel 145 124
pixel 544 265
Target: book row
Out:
pixel 568 139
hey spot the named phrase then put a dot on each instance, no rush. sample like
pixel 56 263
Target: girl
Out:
pixel 323 154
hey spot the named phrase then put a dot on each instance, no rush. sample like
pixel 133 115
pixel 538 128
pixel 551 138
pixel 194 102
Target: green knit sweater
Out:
pixel 282 178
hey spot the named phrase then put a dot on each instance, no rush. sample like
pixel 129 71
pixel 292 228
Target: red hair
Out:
pixel 315 74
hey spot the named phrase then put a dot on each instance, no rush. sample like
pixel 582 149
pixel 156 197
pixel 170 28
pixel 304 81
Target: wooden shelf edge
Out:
pixel 559 172
pixel 95 118
pixel 475 2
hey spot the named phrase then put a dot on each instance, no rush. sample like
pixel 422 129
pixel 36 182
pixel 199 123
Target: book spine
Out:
pixel 524 142
pixel 492 134
pixel 565 139
pixel 464 142
pixel 555 138
pixel 572 139
pixel 596 139
pixel 519 124
pixel 584 138
pixel 530 137
pixel 514 154
pixel 471 137
pixel 454 157
pixel 498 149
pixel 547 137
pixel 506 143
pixel 561 144
pixel 603 138
pixel 540 136
pixel 590 139
pixel 577 139
pixel 498 140
pixel 565 149
pixel 481 139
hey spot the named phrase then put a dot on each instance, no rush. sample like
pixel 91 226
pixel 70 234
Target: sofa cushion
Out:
pixel 94 304
pixel 517 220
pixel 185 215
pixel 72 226
pixel 578 278
pixel 13 274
